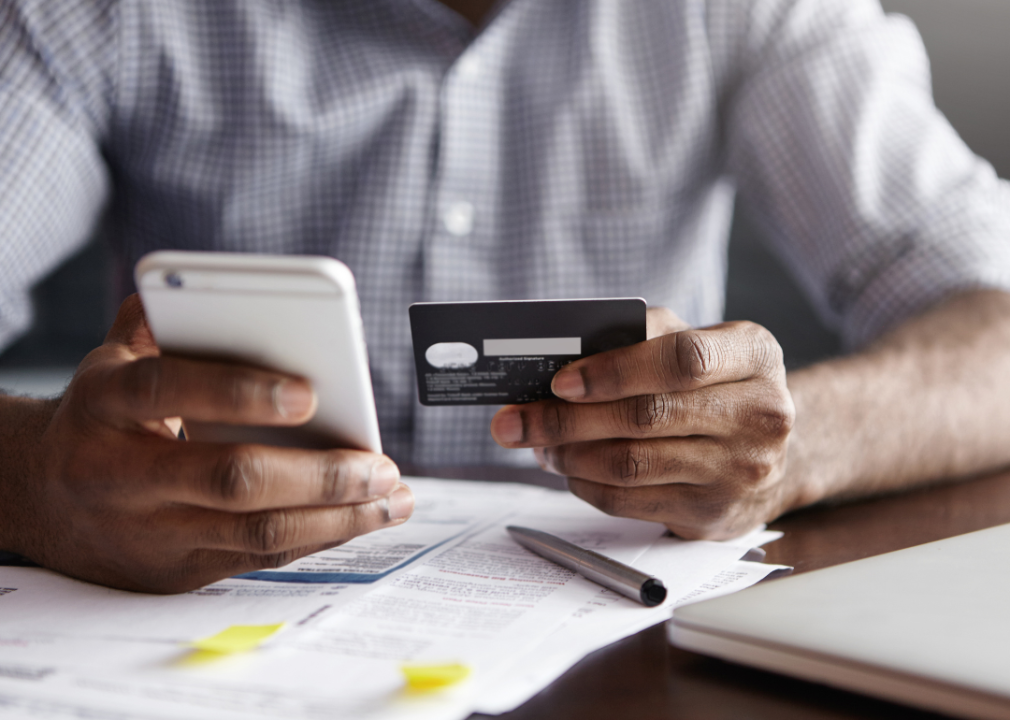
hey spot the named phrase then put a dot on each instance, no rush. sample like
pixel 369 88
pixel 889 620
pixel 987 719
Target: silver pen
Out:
pixel 619 577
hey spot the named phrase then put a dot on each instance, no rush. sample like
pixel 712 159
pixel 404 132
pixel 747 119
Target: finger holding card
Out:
pixel 689 429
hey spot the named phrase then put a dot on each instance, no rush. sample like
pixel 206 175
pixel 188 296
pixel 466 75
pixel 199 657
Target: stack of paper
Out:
pixel 438 618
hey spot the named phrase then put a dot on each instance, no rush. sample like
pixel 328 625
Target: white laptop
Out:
pixel 927 626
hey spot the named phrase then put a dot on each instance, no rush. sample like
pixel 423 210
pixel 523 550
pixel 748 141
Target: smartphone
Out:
pixel 295 314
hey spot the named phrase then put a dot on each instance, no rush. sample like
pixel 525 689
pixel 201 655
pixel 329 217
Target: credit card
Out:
pixel 496 353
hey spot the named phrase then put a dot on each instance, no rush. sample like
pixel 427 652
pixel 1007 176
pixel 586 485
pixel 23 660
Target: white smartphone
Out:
pixel 295 314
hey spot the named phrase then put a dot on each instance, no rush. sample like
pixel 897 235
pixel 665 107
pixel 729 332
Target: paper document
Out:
pixel 691 571
pixel 330 635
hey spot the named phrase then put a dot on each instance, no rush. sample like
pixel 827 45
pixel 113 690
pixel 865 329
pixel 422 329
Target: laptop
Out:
pixel 928 626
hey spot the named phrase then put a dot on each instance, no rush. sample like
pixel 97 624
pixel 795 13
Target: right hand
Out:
pixel 115 498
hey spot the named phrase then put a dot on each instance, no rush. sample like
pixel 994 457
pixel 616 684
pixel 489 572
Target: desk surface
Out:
pixel 643 677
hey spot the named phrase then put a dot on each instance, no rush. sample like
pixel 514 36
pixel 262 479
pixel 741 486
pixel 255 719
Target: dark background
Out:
pixel 970 54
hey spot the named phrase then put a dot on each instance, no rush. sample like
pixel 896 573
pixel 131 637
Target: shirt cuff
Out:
pixel 923 275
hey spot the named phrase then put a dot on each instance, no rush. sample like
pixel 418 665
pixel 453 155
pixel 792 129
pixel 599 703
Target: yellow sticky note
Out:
pixel 237 638
pixel 427 678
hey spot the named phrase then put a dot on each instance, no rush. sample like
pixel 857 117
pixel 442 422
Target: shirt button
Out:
pixel 458 218
pixel 469 66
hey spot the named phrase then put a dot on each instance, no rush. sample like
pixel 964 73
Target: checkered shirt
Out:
pixel 570 148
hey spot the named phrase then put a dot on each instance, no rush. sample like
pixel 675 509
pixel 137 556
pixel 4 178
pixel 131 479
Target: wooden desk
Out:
pixel 642 677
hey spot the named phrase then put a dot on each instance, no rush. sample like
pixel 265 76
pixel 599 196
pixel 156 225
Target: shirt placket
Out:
pixel 460 252
pixel 457 255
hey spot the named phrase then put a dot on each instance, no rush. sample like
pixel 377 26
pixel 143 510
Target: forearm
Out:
pixel 22 423
pixel 928 401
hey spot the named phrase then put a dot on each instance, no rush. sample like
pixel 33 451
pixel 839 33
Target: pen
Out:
pixel 591 565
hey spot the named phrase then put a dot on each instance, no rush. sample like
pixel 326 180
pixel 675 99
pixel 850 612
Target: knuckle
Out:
pixel 555 423
pixel 633 463
pixel 350 521
pixel 777 422
pixel 354 520
pixel 754 466
pixel 266 533
pixel 236 479
pixel 623 373
pixel 649 413
pixel 696 357
pixel 757 469
pixel 244 393
pixel 772 415
pixel 716 406
pixel 335 479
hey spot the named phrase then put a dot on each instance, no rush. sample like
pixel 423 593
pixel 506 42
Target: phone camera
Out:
pixel 173 279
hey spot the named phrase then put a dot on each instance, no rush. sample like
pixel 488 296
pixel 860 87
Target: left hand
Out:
pixel 688 428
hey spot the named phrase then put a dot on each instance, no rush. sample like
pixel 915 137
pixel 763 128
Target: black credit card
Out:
pixel 496 353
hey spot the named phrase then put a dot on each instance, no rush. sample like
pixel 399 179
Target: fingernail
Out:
pixel 400 504
pixel 383 478
pixel 507 426
pixel 568 385
pixel 293 398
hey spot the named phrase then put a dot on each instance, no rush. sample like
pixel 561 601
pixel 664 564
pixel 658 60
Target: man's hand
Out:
pixel 100 488
pixel 688 428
